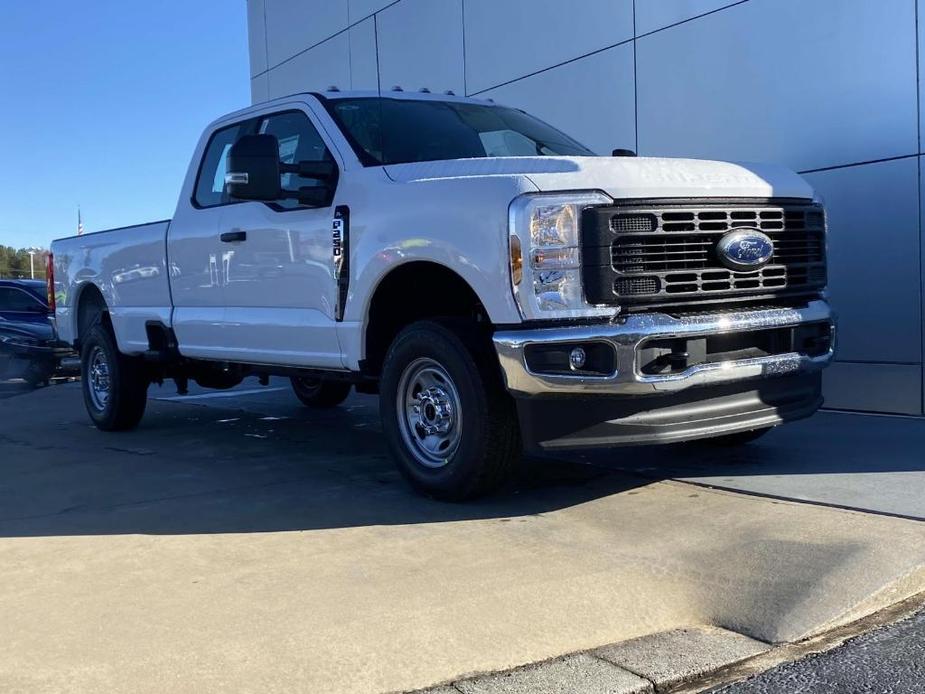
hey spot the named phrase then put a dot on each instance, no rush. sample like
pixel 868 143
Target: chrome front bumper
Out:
pixel 629 332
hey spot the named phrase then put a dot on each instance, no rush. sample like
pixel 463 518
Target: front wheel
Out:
pixel 114 386
pixel 450 425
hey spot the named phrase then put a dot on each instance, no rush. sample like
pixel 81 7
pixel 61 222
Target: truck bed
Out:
pixel 129 267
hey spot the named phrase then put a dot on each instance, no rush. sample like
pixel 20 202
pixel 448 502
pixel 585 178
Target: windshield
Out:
pixel 399 131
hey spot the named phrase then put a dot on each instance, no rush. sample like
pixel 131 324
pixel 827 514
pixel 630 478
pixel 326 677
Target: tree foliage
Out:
pixel 14 263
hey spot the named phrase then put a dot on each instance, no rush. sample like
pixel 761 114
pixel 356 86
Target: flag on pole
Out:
pixel 80 224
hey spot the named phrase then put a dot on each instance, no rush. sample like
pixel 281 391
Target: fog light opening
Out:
pixel 586 359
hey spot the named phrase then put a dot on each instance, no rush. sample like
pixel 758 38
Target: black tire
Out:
pixel 38 374
pixel 124 404
pixel 485 444
pixel 741 438
pixel 320 393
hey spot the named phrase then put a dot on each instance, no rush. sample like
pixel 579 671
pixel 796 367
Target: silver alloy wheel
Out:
pixel 100 381
pixel 429 412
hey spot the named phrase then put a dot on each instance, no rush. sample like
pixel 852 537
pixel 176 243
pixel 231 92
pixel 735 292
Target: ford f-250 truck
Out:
pixel 497 283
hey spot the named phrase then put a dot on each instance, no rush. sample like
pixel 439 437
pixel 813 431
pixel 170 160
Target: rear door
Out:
pixel 278 266
pixel 196 255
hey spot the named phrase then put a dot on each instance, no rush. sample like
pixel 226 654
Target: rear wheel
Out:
pixel 319 392
pixel 114 386
pixel 38 375
pixel 450 425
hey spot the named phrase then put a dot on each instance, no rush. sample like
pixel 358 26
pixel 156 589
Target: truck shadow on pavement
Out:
pixel 191 469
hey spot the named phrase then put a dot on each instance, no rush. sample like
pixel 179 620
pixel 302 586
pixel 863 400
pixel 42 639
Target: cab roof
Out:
pixel 332 95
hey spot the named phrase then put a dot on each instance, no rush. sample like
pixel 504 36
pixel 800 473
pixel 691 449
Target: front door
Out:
pixel 277 264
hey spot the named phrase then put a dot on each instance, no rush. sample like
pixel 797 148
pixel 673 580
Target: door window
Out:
pixel 12 299
pixel 298 141
pixel 210 187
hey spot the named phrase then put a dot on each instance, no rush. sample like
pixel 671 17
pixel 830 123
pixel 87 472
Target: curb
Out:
pixel 681 661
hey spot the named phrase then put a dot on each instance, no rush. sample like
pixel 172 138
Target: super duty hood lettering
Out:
pixel 623 177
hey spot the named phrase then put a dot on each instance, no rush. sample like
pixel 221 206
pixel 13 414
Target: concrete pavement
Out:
pixel 274 548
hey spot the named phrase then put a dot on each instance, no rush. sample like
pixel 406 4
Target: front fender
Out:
pixel 461 224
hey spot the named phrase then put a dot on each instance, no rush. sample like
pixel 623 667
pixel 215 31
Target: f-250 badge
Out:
pixel 340 241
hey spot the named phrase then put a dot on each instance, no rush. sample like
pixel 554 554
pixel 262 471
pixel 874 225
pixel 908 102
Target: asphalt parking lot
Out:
pixel 237 541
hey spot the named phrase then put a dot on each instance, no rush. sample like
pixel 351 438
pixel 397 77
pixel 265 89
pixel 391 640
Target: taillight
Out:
pixel 50 280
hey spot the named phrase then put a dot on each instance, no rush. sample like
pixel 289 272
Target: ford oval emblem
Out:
pixel 745 249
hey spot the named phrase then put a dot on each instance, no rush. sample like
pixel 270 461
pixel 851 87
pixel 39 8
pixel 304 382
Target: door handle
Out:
pixel 232 236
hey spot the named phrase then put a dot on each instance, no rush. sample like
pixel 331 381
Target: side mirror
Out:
pixel 254 168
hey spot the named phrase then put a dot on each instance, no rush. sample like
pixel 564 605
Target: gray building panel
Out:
pixel 364 63
pixel 887 388
pixel 421 45
pixel 873 248
pixel 790 81
pixel 315 69
pixel 257 36
pixel 260 88
pixel 294 26
pixel 652 16
pixel 361 9
pixel 508 40
pixel 606 118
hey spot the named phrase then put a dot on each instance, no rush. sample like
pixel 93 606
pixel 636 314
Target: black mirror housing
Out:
pixel 254 168
pixel 315 196
pixel 322 170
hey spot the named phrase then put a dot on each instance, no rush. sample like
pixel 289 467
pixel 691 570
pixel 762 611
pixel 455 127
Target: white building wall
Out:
pixel 827 87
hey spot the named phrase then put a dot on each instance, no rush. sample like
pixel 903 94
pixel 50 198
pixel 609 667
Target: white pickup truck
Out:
pixel 500 286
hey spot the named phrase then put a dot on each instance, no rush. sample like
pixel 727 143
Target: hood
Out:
pixel 623 177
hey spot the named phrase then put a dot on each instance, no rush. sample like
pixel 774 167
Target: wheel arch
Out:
pixel 88 306
pixel 412 291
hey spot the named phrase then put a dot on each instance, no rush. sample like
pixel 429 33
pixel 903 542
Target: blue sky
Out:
pixel 102 104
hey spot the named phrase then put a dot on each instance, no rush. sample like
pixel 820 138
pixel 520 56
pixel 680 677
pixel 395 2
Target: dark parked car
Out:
pixel 29 346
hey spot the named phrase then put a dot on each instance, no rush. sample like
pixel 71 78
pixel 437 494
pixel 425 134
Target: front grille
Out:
pixel 642 255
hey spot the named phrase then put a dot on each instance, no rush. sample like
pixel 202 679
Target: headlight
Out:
pixel 546 254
